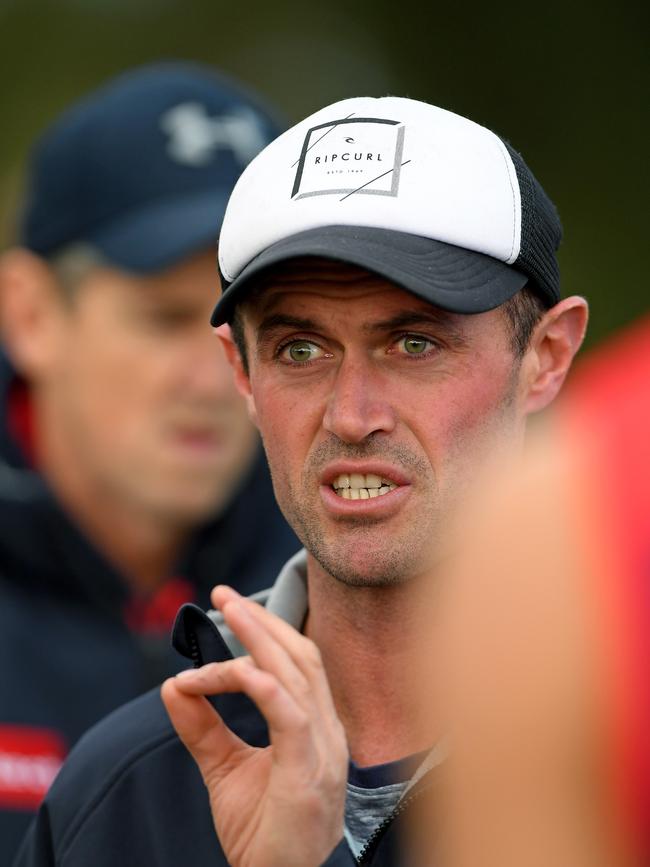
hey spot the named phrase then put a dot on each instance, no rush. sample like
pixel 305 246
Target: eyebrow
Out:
pixel 282 320
pixel 407 319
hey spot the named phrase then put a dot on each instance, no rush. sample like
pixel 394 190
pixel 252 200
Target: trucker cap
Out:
pixel 142 168
pixel 425 198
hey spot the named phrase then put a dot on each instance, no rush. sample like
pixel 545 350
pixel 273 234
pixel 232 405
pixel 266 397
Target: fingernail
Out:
pixel 187 674
pixel 223 594
pixel 227 588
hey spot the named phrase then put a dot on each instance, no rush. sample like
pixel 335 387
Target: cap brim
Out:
pixel 163 233
pixel 450 277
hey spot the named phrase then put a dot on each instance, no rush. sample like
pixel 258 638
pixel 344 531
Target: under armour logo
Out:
pixel 195 137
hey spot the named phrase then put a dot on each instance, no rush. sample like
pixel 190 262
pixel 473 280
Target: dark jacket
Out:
pixel 70 651
pixel 131 795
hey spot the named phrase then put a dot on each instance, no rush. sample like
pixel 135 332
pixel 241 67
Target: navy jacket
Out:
pixel 67 655
pixel 130 794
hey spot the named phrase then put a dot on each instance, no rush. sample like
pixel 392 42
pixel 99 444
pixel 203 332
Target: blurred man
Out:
pixel 547 655
pixel 131 478
pixel 391 283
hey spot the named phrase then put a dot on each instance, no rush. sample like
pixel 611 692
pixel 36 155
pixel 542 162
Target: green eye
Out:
pixel 415 345
pixel 301 351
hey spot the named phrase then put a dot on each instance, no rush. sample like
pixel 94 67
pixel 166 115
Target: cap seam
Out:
pixel 514 198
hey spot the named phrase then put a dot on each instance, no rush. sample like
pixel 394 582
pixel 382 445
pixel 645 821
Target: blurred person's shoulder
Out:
pixel 130 789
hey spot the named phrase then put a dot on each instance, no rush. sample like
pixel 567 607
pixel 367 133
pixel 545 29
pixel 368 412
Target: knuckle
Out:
pixel 268 685
pixel 303 689
pixel 240 664
pixel 312 656
pixel 302 722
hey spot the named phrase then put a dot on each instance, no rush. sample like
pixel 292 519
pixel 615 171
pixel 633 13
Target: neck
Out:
pixel 367 636
pixel 141 546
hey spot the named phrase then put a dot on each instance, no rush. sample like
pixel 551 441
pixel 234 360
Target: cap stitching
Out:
pixel 512 193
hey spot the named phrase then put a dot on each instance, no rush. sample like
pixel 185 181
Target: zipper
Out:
pixel 195 653
pixel 370 846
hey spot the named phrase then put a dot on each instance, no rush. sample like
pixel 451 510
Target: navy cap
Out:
pixel 142 168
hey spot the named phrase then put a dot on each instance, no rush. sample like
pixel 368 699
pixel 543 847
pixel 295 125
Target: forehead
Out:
pixel 193 279
pixel 320 285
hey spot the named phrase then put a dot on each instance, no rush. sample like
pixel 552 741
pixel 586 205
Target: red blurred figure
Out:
pixel 547 651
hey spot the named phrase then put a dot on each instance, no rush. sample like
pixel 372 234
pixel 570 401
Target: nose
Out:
pixel 359 404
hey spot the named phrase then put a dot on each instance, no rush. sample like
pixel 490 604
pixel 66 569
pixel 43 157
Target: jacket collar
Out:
pixel 204 637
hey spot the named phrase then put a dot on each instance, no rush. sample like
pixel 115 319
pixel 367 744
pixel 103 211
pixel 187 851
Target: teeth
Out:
pixel 359 487
pixel 359 482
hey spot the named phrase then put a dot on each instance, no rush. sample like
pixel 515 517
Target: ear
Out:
pixel 31 311
pixel 242 380
pixel 555 341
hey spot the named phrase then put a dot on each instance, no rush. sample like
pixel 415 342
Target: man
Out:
pixel 390 280
pixel 130 475
pixel 551 646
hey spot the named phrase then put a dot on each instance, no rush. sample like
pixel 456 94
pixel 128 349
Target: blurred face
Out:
pixel 375 409
pixel 142 396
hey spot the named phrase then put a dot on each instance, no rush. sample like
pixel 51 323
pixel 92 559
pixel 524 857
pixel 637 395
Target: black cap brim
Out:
pixel 450 277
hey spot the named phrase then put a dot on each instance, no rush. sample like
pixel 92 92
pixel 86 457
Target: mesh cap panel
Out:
pixel 541 233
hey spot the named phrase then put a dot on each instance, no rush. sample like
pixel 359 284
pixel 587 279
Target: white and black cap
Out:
pixel 433 202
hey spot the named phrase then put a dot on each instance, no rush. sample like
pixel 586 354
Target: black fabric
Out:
pixel 192 631
pixel 67 656
pixel 450 277
pixel 131 795
pixel 541 233
pixel 387 774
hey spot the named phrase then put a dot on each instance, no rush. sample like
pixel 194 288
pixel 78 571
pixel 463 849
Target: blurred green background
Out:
pixel 566 83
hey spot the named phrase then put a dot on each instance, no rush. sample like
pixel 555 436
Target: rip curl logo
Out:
pixel 195 137
pixel 351 156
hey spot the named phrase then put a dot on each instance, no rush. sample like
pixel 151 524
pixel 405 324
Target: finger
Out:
pixel 212 744
pixel 214 678
pixel 261 630
pixel 268 653
pixel 303 651
pixel 221 594
pixel 288 723
pixel 286 720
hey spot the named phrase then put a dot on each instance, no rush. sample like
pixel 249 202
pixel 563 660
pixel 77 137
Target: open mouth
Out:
pixel 362 486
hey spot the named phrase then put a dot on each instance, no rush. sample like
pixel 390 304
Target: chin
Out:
pixel 189 507
pixel 385 579
pixel 369 566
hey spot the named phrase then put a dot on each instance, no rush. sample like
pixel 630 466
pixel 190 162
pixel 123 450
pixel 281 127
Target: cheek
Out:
pixel 288 424
pixel 464 410
pixel 115 391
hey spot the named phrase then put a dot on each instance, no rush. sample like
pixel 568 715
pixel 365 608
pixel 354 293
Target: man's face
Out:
pixel 142 397
pixel 376 410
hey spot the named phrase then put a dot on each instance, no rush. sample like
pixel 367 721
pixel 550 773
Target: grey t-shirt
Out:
pixel 372 795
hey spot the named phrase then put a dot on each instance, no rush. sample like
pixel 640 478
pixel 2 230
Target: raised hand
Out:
pixel 280 806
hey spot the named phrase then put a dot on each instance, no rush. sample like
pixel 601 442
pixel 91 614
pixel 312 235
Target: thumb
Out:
pixel 211 743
